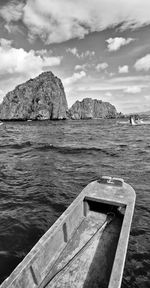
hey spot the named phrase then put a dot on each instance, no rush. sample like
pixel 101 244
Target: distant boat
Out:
pixel 137 123
pixel 86 246
pixel 1 123
pixel 134 122
pixel 140 122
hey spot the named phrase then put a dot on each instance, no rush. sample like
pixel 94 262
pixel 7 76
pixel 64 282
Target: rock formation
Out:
pixel 89 108
pixel 40 98
pixel 44 98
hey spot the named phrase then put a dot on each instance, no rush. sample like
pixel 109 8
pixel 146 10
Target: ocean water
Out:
pixel 45 165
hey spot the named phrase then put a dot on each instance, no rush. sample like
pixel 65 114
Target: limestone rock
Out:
pixel 40 98
pixel 89 109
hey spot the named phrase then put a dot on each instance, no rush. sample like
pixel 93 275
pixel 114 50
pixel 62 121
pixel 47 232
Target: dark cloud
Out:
pixel 5 2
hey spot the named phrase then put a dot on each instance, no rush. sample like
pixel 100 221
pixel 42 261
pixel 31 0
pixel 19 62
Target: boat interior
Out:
pixel 87 258
pixel 86 247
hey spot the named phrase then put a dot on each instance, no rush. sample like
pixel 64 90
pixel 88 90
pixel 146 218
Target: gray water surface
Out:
pixel 45 165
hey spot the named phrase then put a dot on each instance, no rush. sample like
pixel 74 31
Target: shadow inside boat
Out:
pixel 101 266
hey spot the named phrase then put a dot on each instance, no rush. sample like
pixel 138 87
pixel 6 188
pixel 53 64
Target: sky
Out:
pixel 99 49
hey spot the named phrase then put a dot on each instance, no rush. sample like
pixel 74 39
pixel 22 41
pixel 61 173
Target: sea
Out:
pixel 44 165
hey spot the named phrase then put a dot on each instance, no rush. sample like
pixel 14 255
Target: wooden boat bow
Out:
pixel 86 245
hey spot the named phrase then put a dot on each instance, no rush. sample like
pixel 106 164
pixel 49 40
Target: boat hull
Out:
pixel 86 246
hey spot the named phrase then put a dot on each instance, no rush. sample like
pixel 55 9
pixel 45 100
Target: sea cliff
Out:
pixel 37 99
pixel 44 98
pixel 92 108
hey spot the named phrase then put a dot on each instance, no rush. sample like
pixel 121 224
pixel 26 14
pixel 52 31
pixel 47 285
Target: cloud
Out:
pixel 132 84
pixel 134 79
pixel 101 66
pixel 123 69
pixel 74 51
pixel 87 53
pixel 61 20
pixel 43 52
pixel 84 67
pixel 143 63
pixel 115 44
pixel 74 78
pixel 133 89
pixel 80 67
pixel 19 61
pixel 147 97
pixel 12 11
pixel 18 65
pixel 5 43
pixel 13 28
pixel 108 94
pixel 124 92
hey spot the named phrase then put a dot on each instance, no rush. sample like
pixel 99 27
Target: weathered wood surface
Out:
pixel 68 235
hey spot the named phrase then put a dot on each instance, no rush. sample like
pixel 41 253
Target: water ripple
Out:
pixel 45 165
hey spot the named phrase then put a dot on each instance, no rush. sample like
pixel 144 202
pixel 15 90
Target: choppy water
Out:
pixel 45 165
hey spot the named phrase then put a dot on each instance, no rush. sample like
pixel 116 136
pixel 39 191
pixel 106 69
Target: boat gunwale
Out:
pixel 123 195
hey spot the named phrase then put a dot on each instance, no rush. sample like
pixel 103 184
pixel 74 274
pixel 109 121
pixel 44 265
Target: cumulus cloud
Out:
pixel 101 66
pixel 115 44
pixel 61 20
pixel 43 52
pixel 74 78
pixel 12 11
pixel 13 28
pixel 5 43
pixel 87 53
pixel 143 63
pixel 18 65
pixel 74 51
pixel 133 89
pixel 123 69
pixel 19 61
pixel 82 67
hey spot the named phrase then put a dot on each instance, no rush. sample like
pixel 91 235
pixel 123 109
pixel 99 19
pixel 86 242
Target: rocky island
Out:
pixel 40 98
pixel 43 98
pixel 92 108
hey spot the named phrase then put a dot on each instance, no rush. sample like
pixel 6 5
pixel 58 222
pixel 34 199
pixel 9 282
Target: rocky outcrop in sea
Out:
pixel 92 108
pixel 37 99
pixel 44 98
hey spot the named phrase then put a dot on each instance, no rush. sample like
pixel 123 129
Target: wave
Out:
pixel 42 147
pixel 17 145
pixel 123 145
pixel 74 150
pixel 137 232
